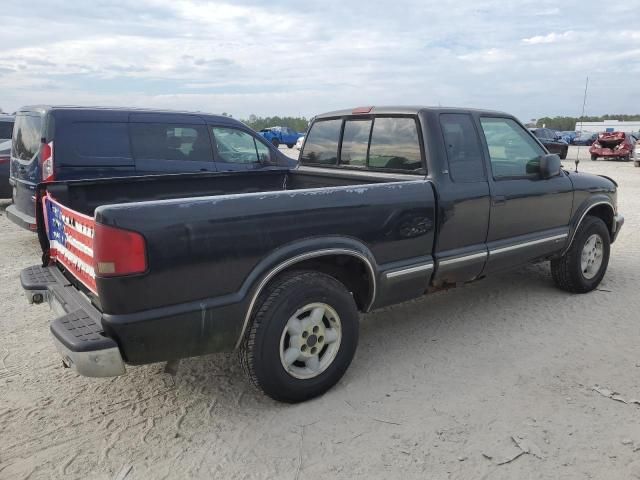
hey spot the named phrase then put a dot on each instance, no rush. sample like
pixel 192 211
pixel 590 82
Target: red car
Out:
pixel 617 145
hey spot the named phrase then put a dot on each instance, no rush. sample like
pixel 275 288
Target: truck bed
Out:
pixel 210 238
pixel 85 196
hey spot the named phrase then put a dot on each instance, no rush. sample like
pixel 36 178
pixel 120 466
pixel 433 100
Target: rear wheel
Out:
pixel 302 336
pixel 563 154
pixel 583 266
pixel 594 157
pixel 290 145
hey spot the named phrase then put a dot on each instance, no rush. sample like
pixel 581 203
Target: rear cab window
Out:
pixel 376 143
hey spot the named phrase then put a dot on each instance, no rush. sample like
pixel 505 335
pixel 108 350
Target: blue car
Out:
pixel 280 135
pixel 68 143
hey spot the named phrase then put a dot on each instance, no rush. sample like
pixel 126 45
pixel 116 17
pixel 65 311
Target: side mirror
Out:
pixel 550 165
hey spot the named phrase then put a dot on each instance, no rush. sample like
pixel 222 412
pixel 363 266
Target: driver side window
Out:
pixel 236 146
pixel 512 151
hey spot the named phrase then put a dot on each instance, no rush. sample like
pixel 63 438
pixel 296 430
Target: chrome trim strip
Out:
pixel 527 244
pixel 407 271
pixel 575 230
pixel 356 172
pixel 464 258
pixel 298 258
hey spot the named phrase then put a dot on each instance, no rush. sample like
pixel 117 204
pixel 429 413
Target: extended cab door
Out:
pixel 529 214
pixel 463 199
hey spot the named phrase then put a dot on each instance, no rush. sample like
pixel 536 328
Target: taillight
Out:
pixel 46 155
pixel 118 252
pixel 4 159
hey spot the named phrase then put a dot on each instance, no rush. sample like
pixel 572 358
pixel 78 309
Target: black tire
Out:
pixel 636 163
pixel 567 271
pixel 290 145
pixel 563 154
pixel 260 350
pixel 594 157
pixel 275 142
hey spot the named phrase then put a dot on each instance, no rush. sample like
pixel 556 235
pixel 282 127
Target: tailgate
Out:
pixel 70 237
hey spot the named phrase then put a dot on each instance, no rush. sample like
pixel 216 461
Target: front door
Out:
pixel 529 215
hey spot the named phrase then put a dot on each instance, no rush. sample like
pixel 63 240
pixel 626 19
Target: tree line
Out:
pixel 299 124
pixel 569 123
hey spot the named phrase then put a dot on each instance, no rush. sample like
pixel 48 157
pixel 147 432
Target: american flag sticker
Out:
pixel 71 240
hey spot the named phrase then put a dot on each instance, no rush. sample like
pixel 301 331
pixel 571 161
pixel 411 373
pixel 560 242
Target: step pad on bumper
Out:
pixel 80 333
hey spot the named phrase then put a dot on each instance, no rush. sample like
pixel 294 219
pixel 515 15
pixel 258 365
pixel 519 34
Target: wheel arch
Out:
pixel 601 208
pixel 342 258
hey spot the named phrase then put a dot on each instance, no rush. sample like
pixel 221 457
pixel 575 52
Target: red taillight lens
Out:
pixel 118 252
pixel 46 156
pixel 4 159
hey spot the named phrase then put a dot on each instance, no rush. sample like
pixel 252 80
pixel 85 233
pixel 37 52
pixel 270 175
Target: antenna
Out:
pixel 584 103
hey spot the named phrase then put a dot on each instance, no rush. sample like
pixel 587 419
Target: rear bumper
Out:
pixel 608 153
pixel 20 218
pixel 77 330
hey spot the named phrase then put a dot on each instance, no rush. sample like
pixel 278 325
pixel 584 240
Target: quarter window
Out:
pixel 321 144
pixel 395 144
pixel 236 146
pixel 156 141
pixel 463 148
pixel 355 141
pixel 512 151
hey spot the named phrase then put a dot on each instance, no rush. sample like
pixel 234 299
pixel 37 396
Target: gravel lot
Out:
pixel 493 380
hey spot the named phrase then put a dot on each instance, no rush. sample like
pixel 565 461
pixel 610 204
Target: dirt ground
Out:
pixel 507 378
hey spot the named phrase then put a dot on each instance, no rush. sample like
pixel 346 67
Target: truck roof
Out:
pixel 403 110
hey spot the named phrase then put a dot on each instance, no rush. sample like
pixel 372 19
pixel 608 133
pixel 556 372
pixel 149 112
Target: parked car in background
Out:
pixel 584 139
pixel 636 153
pixel 613 145
pixel 552 141
pixel 300 142
pixel 5 158
pixel 568 136
pixel 6 126
pixel 66 143
pixel 280 136
pixel 278 264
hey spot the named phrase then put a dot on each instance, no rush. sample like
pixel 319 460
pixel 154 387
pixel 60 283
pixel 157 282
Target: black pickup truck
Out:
pixel 387 204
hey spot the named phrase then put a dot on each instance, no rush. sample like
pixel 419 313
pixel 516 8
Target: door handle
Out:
pixel 499 200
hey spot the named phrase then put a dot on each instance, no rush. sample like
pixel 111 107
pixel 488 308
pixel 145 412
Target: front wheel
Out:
pixel 302 336
pixel 594 157
pixel 563 154
pixel 290 145
pixel 583 266
pixel 275 142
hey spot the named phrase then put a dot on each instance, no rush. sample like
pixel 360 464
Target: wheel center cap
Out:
pixel 312 340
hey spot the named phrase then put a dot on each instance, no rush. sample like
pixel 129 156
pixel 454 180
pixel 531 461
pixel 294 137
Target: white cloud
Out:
pixel 549 38
pixel 290 57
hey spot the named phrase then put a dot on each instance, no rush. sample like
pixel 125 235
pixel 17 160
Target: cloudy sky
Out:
pixel 284 57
